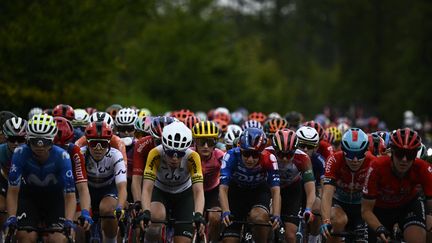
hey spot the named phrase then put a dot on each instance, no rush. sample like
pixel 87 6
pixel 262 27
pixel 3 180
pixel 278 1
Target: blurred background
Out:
pixel 372 57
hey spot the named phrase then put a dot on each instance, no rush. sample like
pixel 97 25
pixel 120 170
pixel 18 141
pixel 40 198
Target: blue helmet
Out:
pixel 354 143
pixel 385 136
pixel 253 139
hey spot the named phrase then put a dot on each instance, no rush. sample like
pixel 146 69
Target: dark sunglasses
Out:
pixel 253 153
pixel 288 154
pixel 40 142
pixel 306 146
pixel 16 139
pixel 103 143
pixel 409 154
pixel 174 153
pixel 352 155
pixel 202 141
pixel 125 128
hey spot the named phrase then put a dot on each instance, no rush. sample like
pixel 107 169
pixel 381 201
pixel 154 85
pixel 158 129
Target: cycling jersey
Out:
pixel 349 184
pixel 173 180
pixel 141 150
pixel 130 157
pixel 5 159
pixel 234 170
pixel 104 172
pixel 54 173
pixel 115 142
pixel 325 149
pixel 292 172
pixel 211 169
pixel 391 191
pixel 78 163
pixel 318 165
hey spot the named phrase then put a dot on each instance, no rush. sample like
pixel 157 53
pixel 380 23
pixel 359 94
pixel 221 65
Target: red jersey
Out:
pixel 348 183
pixel 391 191
pixel 211 169
pixel 325 149
pixel 141 151
pixel 78 163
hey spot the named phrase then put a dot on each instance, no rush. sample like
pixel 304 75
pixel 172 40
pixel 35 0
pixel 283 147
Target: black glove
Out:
pixel 145 216
pixel 382 230
pixel 198 218
pixel 137 206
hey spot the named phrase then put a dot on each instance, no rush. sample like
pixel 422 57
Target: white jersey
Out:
pixel 105 171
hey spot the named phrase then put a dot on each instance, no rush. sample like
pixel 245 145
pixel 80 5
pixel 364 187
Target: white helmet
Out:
pixel 42 126
pixel 126 117
pixel 343 127
pixel 233 132
pixel 143 124
pixel 81 118
pixel 201 115
pixel 222 110
pixel 308 135
pixel 102 116
pixel 252 124
pixel 176 136
pixel 34 111
pixel 274 115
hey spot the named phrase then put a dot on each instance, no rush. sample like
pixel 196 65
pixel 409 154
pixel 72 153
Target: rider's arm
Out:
pixel 309 183
pixel 225 178
pixel 326 201
pixel 368 216
pixel 273 180
pixel 120 178
pixel 117 143
pixel 276 200
pixel 122 193
pixel 223 198
pixel 70 205
pixel 150 171
pixel 136 187
pixel 141 150
pixel 68 185
pixel 197 178
pixel 84 195
pixel 12 199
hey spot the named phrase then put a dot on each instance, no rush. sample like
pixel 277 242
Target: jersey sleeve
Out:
pixel 370 188
pixel 118 144
pixel 78 164
pixel 228 161
pixel 273 177
pixel 195 170
pixel 141 151
pixel 331 169
pixel 16 169
pixel 119 167
pixel 152 165
pixel 66 174
pixel 81 142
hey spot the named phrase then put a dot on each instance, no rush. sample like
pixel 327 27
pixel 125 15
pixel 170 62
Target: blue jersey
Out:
pixel 53 174
pixel 318 165
pixel 234 170
pixel 5 159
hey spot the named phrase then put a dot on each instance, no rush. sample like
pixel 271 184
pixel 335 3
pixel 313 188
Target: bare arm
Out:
pixel 146 194
pixel 223 198
pixel 136 187
pixel 368 216
pixel 326 201
pixel 70 205
pixel 310 193
pixel 198 192
pixel 122 193
pixel 12 200
pixel 84 195
pixel 276 200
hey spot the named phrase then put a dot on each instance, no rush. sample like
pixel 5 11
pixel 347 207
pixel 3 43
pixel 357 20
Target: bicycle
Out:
pixel 246 235
pixel 152 234
pixel 94 235
pixel 41 233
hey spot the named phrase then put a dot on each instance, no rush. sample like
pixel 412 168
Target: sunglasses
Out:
pixel 352 155
pixel 203 141
pixel 174 153
pixel 306 146
pixel 103 143
pixel 16 139
pixel 253 153
pixel 40 142
pixel 125 128
pixel 409 154
pixel 287 155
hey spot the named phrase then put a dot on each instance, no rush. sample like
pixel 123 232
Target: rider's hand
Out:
pixel 88 221
pixel 308 215
pixel 137 207
pixel 275 221
pixel 145 217
pixel 225 217
pixel 119 213
pixel 199 220
pixel 382 233
pixel 326 228
pixel 12 221
pixel 68 225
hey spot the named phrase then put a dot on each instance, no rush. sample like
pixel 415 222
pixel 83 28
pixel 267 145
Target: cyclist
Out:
pixel 34 111
pixel 232 134
pixel 106 175
pixel 173 182
pixel 294 119
pixel 376 145
pixel 343 183
pixel 65 111
pixel 295 171
pixel 334 137
pixel 64 139
pixel 205 135
pixel 79 123
pixel 249 180
pixel 41 186
pixel 324 148
pixel 14 130
pixel 390 194
pixel 125 127
pixel 4 115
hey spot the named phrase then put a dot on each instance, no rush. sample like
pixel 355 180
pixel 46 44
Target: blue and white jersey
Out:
pixel 53 174
pixel 318 165
pixel 234 170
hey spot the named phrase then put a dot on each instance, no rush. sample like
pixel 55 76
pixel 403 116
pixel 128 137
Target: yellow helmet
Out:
pixel 205 129
pixel 334 135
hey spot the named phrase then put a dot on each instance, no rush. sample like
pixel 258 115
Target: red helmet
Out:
pixel 65 131
pixel 182 114
pixel 258 116
pixel 222 124
pixel 376 144
pixel 222 116
pixel 98 130
pixel 274 124
pixel 284 140
pixel 405 139
pixel 190 121
pixel 317 127
pixel 90 110
pixel 65 111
